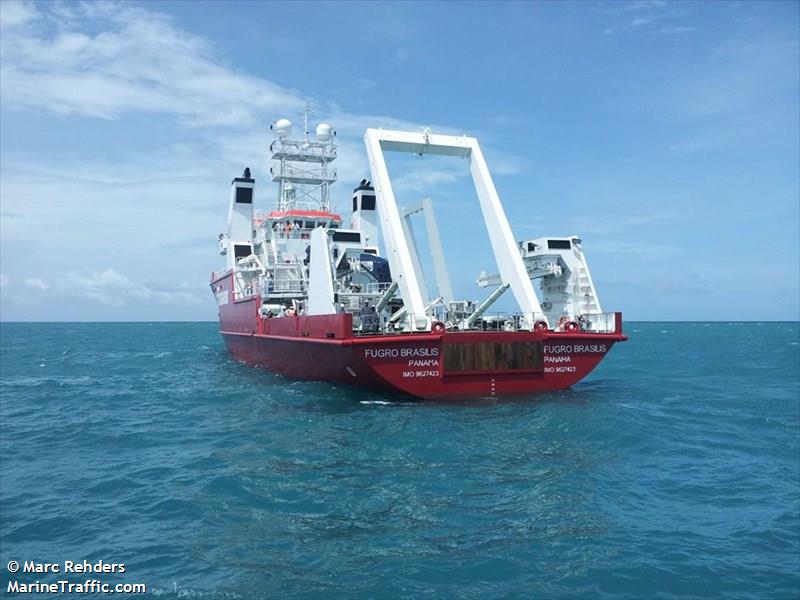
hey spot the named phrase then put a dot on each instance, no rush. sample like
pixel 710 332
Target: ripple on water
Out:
pixel 671 472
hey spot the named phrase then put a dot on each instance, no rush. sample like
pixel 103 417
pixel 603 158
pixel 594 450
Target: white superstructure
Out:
pixel 566 285
pixel 299 259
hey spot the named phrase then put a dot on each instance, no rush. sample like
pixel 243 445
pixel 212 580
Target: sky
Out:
pixel 665 135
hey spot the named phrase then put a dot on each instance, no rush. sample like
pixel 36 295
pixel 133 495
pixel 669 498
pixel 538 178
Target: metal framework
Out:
pixel 443 287
pixel 504 246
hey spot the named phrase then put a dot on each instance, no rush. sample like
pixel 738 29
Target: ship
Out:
pixel 310 296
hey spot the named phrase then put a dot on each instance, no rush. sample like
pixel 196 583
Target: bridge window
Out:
pixel 241 250
pixel 367 202
pixel 244 195
pixel 347 236
pixel 559 244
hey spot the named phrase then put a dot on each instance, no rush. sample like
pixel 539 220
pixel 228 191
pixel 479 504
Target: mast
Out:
pixel 304 173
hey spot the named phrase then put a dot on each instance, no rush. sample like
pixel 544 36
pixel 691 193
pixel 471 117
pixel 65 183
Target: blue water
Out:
pixel 673 471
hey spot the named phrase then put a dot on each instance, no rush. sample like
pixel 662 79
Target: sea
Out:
pixel 672 471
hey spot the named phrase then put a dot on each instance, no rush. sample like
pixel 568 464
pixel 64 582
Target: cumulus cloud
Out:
pixel 106 60
pixel 424 180
pixel 114 289
pixel 137 61
pixel 14 14
pixel 116 62
pixel 36 284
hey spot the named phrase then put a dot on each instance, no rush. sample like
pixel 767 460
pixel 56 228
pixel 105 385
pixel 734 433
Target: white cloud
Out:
pixel 113 289
pixel 532 222
pixel 503 164
pixel 643 251
pixel 647 15
pixel 137 62
pixel 746 77
pixel 425 180
pixel 36 284
pixel 644 4
pixel 603 224
pixel 638 22
pixel 105 60
pixel 111 61
pixel 677 29
pixel 14 14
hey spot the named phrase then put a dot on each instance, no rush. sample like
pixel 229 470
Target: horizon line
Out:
pixel 2 322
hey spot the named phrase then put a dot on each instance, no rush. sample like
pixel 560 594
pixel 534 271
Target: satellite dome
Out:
pixel 282 128
pixel 324 132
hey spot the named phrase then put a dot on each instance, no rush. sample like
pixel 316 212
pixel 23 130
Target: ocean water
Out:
pixel 673 471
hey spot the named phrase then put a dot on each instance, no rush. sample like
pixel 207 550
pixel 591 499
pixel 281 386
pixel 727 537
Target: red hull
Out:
pixel 324 348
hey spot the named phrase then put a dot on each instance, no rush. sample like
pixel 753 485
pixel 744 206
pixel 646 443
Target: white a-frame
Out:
pixel 506 253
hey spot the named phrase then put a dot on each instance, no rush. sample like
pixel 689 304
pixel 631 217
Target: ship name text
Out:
pixel 577 348
pixel 423 352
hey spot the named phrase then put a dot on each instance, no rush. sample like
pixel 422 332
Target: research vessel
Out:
pixel 310 295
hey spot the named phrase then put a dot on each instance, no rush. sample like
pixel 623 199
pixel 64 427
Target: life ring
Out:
pixel 540 326
pixel 572 326
pixel 438 327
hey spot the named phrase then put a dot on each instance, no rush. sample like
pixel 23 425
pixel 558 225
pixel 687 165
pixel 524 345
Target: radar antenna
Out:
pixel 303 172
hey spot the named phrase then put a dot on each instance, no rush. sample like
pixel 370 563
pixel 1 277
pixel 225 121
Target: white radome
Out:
pixel 324 132
pixel 282 128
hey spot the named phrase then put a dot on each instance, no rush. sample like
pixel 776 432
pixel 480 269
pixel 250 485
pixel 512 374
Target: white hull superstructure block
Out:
pixel 320 286
pixel 506 252
pixel 568 292
pixel 239 239
pixel 566 283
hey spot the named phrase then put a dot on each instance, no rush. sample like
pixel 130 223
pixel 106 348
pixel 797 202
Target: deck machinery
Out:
pixel 310 298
